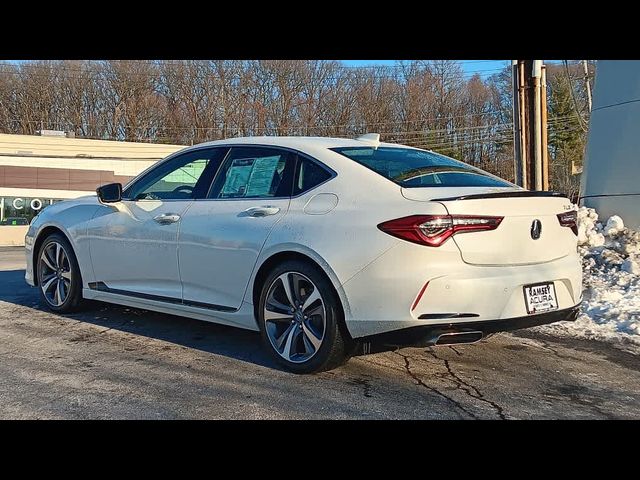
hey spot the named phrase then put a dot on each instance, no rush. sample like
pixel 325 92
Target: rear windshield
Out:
pixel 418 168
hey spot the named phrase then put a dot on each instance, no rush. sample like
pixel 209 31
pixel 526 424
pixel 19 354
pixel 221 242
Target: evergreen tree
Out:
pixel 565 135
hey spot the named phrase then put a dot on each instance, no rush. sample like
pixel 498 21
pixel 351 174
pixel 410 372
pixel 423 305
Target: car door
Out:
pixel 134 242
pixel 222 236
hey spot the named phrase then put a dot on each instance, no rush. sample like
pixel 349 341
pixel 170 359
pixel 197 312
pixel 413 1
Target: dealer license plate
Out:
pixel 540 297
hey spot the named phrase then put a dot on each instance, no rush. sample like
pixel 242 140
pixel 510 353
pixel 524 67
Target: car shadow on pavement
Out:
pixel 209 337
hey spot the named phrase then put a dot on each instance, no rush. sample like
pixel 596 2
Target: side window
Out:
pixel 309 175
pixel 185 177
pixel 254 172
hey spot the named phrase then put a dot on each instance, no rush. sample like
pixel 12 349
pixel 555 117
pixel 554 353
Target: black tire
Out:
pixel 73 299
pixel 335 347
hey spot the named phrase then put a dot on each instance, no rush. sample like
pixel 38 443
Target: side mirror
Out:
pixel 110 193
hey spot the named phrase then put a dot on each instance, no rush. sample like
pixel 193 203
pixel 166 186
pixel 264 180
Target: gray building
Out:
pixel 610 181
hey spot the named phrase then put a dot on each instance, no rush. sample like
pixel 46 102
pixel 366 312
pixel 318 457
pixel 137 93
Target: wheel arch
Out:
pixel 275 258
pixel 43 233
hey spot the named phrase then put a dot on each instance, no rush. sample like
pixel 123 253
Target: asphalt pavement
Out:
pixel 122 363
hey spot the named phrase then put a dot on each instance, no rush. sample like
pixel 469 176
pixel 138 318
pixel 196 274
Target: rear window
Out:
pixel 409 167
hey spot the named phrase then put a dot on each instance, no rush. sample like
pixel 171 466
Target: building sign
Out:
pixel 20 210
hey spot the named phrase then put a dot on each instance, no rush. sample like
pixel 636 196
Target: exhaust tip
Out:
pixel 459 337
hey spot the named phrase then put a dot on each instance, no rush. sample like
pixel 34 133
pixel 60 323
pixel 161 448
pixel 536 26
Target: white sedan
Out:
pixel 329 247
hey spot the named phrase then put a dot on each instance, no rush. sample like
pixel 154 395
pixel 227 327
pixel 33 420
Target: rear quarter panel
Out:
pixel 345 239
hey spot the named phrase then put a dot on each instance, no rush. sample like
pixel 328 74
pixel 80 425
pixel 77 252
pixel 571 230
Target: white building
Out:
pixel 36 171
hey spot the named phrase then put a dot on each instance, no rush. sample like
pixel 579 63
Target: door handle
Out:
pixel 264 211
pixel 167 218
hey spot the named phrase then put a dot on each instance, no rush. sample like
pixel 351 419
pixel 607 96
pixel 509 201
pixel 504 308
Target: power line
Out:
pixel 450 135
pixel 457 142
pixel 573 97
pixel 362 124
pixel 494 141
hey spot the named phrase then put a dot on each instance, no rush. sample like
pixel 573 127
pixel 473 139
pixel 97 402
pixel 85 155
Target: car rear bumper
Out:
pixel 414 286
pixel 458 332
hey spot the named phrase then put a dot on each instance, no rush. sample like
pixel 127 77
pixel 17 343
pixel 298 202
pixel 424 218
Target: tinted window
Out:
pixel 309 175
pixel 15 221
pixel 186 176
pixel 254 172
pixel 418 168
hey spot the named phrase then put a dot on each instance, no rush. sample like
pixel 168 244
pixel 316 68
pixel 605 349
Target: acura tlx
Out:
pixel 328 247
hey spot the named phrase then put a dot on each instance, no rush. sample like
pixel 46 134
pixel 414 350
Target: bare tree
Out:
pixel 427 104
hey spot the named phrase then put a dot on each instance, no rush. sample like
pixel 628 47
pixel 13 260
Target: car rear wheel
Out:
pixel 300 319
pixel 59 278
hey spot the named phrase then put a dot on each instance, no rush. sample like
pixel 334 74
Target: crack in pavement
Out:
pixel 469 389
pixel 457 352
pixel 419 381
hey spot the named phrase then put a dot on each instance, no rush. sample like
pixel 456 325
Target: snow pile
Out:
pixel 588 231
pixel 611 267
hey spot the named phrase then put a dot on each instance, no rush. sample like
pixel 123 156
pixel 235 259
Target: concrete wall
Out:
pixel 79 147
pixel 32 162
pixel 610 181
pixel 12 235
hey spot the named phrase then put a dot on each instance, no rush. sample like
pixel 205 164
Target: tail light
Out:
pixel 570 220
pixel 434 230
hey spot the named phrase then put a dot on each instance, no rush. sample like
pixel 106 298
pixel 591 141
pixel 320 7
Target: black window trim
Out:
pixel 471 167
pixel 185 151
pixel 330 171
pixel 333 174
pixel 297 154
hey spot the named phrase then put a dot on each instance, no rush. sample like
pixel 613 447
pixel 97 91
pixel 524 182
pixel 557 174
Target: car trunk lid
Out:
pixel 529 233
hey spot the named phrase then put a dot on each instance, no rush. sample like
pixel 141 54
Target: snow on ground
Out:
pixel 611 267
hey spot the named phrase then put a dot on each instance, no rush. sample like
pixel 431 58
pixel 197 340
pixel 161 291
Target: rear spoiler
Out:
pixel 478 196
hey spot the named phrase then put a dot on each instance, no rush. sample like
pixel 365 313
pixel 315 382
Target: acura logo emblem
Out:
pixel 536 229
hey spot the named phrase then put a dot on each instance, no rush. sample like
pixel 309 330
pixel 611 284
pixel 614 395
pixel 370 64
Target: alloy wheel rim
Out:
pixel 55 274
pixel 295 317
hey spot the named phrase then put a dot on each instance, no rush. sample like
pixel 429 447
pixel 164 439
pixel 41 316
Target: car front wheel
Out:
pixel 59 278
pixel 301 319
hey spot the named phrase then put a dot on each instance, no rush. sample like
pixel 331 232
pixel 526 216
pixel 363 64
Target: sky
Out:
pixel 484 67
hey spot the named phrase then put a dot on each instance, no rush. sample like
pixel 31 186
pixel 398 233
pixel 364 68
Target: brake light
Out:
pixel 434 230
pixel 570 220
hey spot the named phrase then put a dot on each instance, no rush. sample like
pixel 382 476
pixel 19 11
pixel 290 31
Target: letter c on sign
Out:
pixel 15 203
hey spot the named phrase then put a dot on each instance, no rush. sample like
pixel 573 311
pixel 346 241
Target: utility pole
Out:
pixel 545 143
pixel 585 65
pixel 536 74
pixel 529 125
pixel 517 128
pixel 519 124
pixel 530 122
